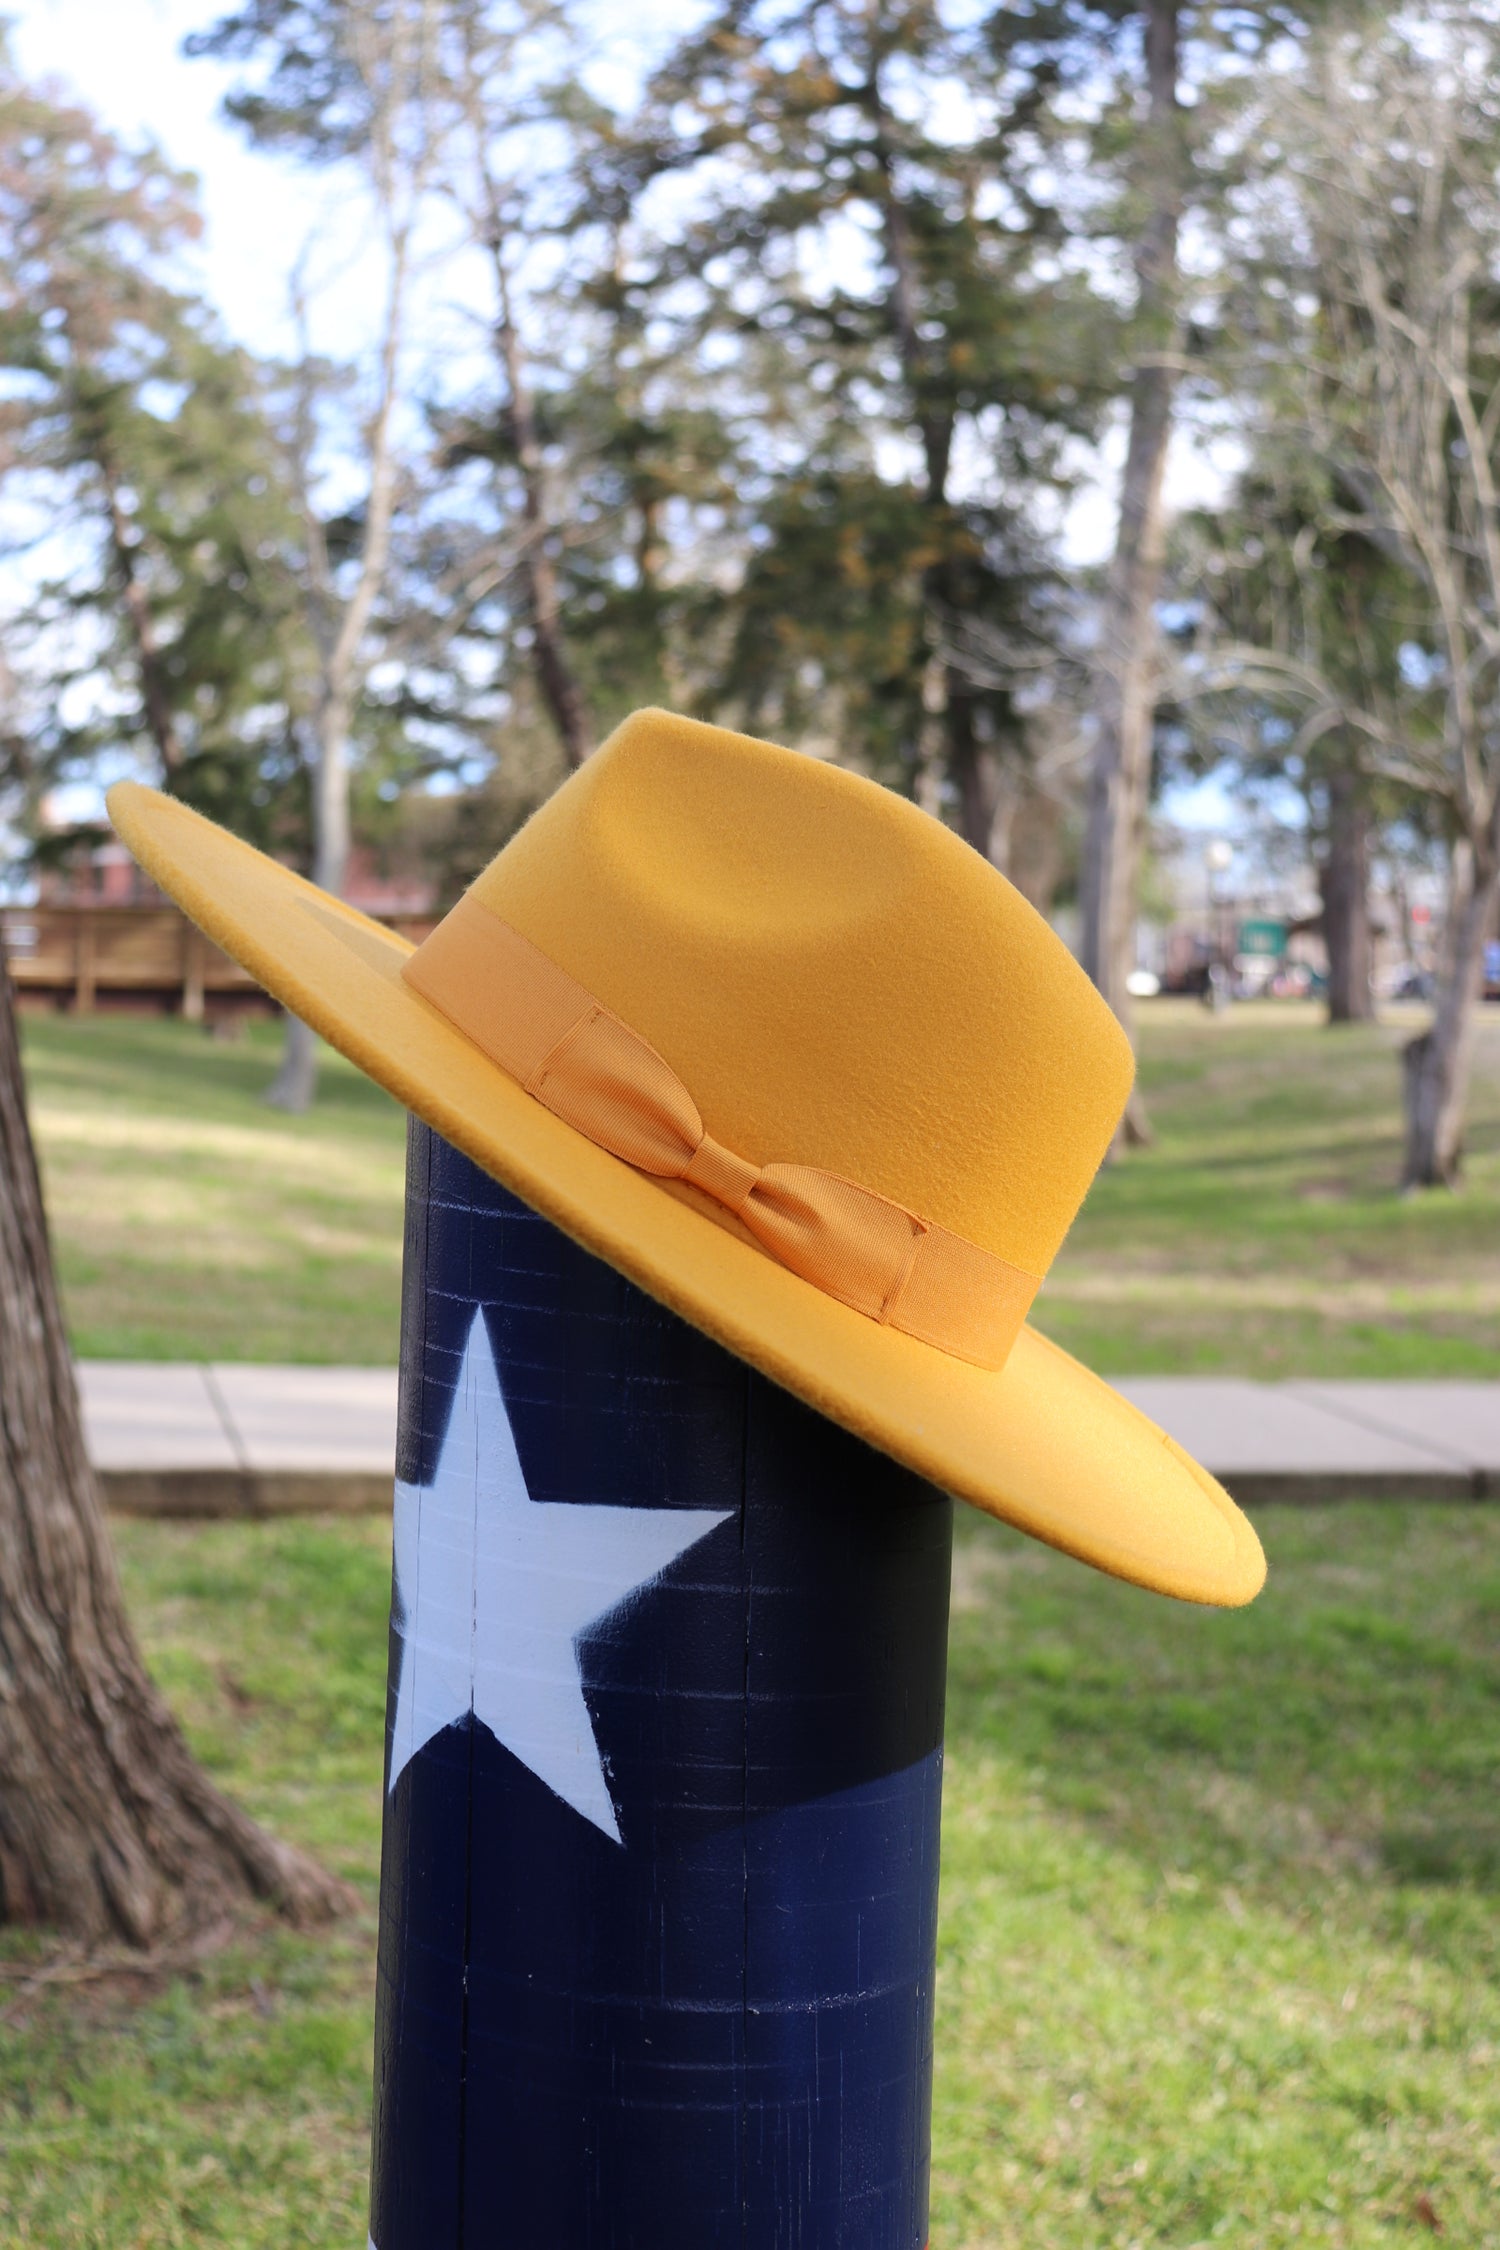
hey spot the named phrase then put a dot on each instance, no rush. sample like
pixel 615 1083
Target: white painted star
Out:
pixel 495 1588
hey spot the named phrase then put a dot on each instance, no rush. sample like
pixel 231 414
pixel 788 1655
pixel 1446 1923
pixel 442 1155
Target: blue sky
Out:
pixel 124 60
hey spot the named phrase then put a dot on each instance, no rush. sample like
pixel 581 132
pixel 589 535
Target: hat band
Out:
pixel 548 1032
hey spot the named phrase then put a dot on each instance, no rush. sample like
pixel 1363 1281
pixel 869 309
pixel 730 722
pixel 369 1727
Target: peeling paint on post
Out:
pixel 659 1884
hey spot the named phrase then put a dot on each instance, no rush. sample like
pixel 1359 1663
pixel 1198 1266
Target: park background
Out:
pixel 1084 419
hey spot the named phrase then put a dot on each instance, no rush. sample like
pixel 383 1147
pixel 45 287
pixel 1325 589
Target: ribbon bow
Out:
pixel 591 1070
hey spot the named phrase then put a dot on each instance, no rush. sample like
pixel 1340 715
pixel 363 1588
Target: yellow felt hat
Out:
pixel 881 1053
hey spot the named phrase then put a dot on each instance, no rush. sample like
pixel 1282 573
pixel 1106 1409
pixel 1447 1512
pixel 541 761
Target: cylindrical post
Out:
pixel 659 1886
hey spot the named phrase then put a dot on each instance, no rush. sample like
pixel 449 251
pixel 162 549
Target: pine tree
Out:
pixel 870 261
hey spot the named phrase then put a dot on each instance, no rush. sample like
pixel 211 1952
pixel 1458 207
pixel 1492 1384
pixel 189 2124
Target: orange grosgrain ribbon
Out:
pixel 547 1031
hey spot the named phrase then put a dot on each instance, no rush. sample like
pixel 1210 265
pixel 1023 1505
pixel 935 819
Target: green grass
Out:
pixel 1261 1233
pixel 1220 1937
pixel 191 1221
pixel 1220 1940
pixel 233 2107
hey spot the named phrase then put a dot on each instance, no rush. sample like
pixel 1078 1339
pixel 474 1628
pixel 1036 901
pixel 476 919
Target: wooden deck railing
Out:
pixel 83 958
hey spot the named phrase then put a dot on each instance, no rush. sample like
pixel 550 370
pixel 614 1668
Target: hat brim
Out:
pixel 1042 1444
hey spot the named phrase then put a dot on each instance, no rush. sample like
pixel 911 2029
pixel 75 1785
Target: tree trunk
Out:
pixel 561 694
pixel 1436 1063
pixel 1402 896
pixel 1344 885
pixel 1035 864
pixel 1005 816
pixel 156 703
pixel 929 782
pixel 108 1829
pixel 1125 689
pixel 987 785
pixel 296 1080
pixel 558 681
pixel 339 624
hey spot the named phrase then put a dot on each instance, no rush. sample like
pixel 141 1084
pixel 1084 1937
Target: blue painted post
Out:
pixel 659 1886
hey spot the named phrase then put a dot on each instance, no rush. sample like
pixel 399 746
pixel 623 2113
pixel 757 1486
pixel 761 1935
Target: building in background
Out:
pixel 98 934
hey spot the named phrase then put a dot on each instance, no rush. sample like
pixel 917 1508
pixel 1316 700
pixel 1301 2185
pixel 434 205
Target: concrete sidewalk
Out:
pixel 257 1441
pixel 238 1440
pixel 1325 1441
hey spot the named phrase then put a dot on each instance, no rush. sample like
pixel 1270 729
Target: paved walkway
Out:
pixel 1314 1441
pixel 239 1440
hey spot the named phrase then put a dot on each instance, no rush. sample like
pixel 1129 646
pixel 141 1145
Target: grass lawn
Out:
pixel 191 1221
pixel 1260 1234
pixel 1220 1951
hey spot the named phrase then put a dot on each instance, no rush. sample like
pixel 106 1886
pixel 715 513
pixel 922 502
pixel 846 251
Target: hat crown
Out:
pixel 838 979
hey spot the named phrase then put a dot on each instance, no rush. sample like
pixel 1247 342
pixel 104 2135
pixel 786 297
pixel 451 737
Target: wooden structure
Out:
pixel 86 958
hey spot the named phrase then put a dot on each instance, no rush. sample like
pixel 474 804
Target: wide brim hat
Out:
pixel 783 1050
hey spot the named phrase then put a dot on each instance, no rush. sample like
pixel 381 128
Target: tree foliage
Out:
pixel 1377 575
pixel 147 485
pixel 870 258
pixel 766 390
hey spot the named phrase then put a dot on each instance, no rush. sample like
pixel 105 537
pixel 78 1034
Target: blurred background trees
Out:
pixel 1358 573
pixel 1039 410
pixel 144 481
